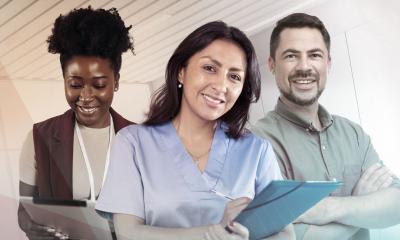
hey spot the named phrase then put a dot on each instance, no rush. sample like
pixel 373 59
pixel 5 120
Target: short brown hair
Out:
pixel 297 20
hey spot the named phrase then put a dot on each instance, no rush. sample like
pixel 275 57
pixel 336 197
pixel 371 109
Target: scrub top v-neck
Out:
pixel 152 176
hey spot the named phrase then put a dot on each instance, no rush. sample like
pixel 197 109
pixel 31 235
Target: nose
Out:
pixel 86 95
pixel 303 64
pixel 219 84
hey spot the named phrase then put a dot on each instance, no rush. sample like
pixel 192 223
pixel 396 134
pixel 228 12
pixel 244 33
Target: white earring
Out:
pixel 115 89
pixel 180 85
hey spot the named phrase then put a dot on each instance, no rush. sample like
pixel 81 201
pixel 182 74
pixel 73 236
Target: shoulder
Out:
pixel 135 131
pixel 251 142
pixel 54 122
pixel 268 122
pixel 340 120
pixel 119 121
pixel 346 126
pixel 271 117
pixel 270 125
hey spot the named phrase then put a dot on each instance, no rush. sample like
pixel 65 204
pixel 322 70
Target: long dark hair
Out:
pixel 166 101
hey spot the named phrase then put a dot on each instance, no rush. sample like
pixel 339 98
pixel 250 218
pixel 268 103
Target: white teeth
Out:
pixel 213 100
pixel 303 81
pixel 87 110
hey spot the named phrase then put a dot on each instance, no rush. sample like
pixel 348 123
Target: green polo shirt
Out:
pixel 340 151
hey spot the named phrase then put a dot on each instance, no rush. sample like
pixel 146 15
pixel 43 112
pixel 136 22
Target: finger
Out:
pixel 40 233
pixel 38 227
pixel 387 176
pixel 239 229
pixel 370 171
pixel 43 238
pixel 386 183
pixel 239 201
pixel 299 219
pixel 40 237
pixel 232 213
pixel 221 232
pixel 217 232
pixel 207 236
pixel 237 204
pixel 379 175
pixel 394 175
pixel 233 208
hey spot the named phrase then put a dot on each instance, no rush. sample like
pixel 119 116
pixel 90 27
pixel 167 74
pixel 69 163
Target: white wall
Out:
pixel 13 126
pixel 132 101
pixel 363 83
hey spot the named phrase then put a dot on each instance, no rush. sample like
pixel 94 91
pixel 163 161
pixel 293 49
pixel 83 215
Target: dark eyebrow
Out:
pixel 99 77
pixel 316 50
pixel 216 62
pixel 290 50
pixel 75 77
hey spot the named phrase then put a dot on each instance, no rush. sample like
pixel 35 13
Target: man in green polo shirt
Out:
pixel 312 144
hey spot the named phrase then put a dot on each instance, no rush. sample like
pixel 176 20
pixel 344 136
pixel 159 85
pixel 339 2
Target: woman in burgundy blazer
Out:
pixel 90 43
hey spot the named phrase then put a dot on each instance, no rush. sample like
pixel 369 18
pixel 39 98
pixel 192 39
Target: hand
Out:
pixel 35 231
pixel 319 214
pixel 376 177
pixel 217 232
pixel 232 209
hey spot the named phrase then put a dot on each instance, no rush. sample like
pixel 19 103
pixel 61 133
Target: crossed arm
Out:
pixel 373 204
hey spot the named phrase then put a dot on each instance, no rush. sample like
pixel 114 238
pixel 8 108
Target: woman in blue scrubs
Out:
pixel 174 176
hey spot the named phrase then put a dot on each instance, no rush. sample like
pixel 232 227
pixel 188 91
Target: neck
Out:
pixel 196 135
pixel 101 123
pixel 192 129
pixel 307 112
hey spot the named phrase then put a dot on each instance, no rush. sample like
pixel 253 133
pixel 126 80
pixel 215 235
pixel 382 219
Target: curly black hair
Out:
pixel 88 32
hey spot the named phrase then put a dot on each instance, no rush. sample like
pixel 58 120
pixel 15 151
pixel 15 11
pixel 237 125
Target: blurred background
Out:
pixel 363 84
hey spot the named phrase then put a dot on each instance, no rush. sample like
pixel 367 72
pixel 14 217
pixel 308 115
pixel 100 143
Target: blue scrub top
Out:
pixel 152 176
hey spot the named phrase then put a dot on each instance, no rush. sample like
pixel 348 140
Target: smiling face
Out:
pixel 301 65
pixel 213 80
pixel 89 89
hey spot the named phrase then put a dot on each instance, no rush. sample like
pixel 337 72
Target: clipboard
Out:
pixel 76 218
pixel 280 203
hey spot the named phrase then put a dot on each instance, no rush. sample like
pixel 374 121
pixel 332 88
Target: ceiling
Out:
pixel 158 27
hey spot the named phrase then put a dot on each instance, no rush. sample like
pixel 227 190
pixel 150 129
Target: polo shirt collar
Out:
pixel 324 116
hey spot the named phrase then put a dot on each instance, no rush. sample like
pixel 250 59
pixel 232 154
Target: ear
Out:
pixel 271 65
pixel 116 81
pixel 329 64
pixel 181 75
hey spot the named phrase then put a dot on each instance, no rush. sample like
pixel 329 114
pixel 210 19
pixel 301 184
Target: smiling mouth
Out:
pixel 87 110
pixel 303 81
pixel 212 100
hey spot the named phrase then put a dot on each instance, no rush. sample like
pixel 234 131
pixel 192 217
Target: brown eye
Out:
pixel 75 85
pixel 290 56
pixel 316 55
pixel 100 86
pixel 236 77
pixel 209 68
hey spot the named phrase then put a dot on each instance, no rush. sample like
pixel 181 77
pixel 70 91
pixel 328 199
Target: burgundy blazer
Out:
pixel 53 143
